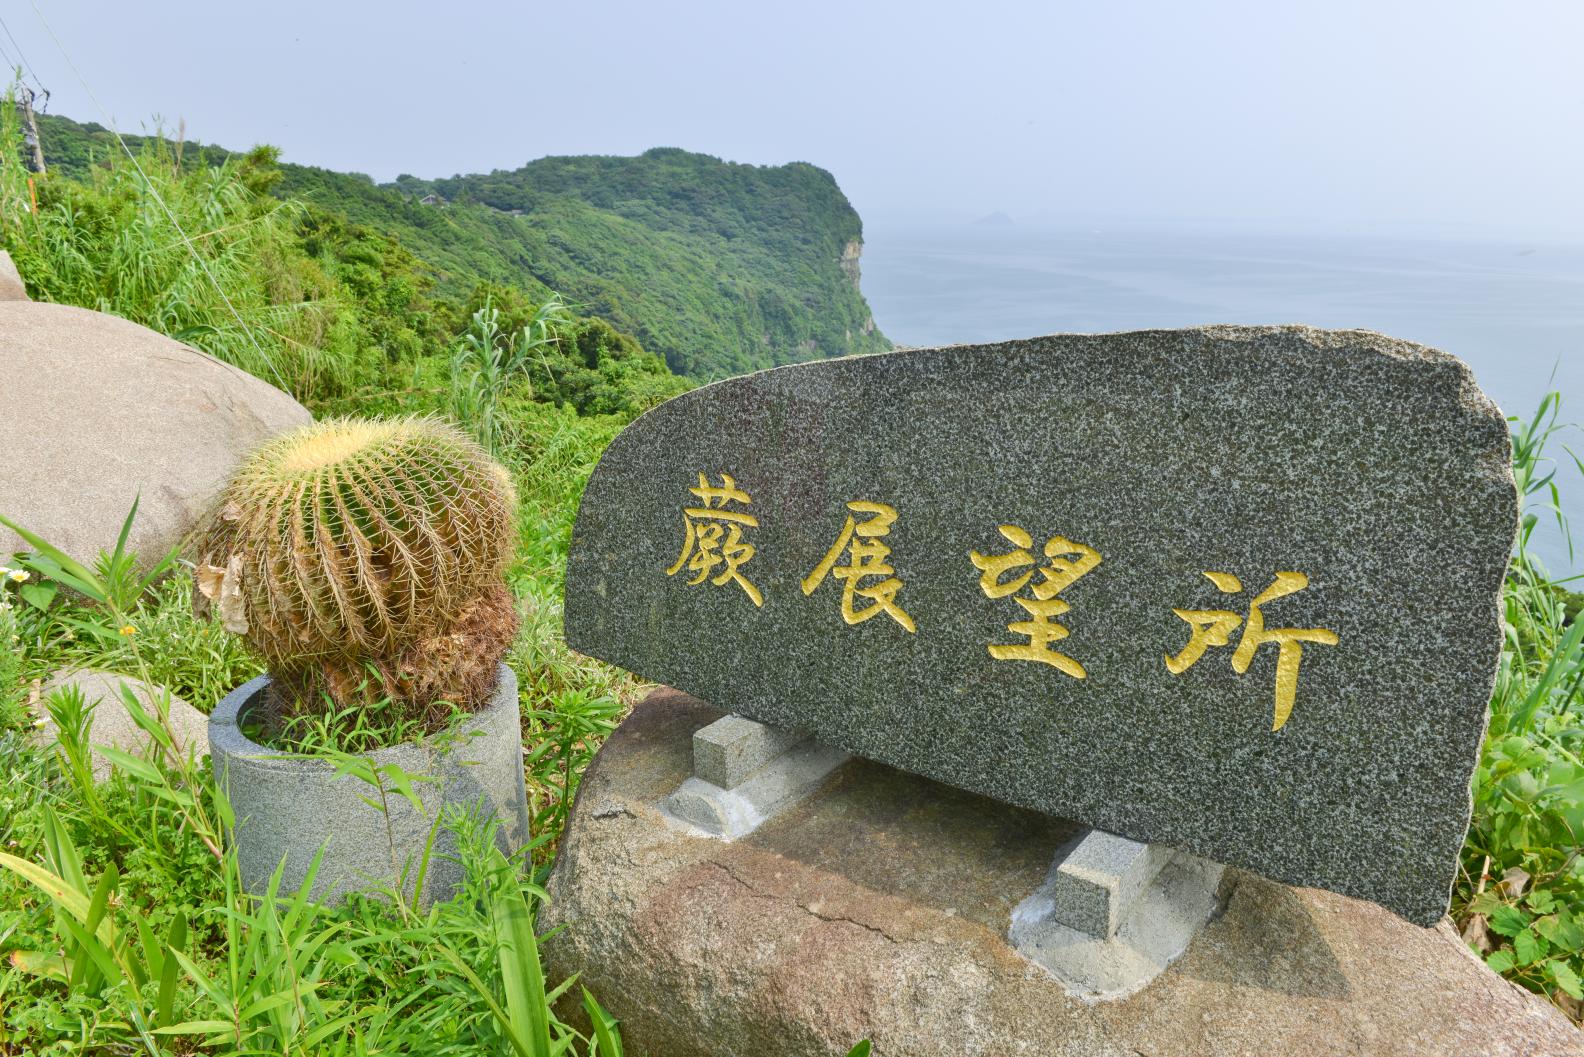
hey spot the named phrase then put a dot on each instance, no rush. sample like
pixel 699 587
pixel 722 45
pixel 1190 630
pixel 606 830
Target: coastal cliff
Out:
pixel 719 267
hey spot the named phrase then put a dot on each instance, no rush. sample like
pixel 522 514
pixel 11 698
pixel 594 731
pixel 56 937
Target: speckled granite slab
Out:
pixel 1231 589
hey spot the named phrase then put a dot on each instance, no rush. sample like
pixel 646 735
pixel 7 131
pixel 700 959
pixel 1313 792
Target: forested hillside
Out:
pixel 720 268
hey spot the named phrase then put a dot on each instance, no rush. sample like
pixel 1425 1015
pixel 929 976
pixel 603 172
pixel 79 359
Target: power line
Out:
pixel 154 192
pixel 23 55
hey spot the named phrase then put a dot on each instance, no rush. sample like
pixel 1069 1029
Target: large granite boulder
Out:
pixel 1172 584
pixel 11 288
pixel 99 410
pixel 879 908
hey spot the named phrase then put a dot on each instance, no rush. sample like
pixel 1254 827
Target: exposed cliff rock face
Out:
pixel 849 262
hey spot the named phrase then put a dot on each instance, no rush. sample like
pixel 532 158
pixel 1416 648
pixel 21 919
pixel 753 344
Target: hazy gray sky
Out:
pixel 1447 113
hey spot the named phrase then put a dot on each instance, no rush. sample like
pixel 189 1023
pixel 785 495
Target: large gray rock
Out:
pixel 1233 589
pixel 289 807
pixel 11 287
pixel 99 410
pixel 112 725
pixel 880 907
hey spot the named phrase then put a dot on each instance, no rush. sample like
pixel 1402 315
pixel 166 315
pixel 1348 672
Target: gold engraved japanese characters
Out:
pixel 1067 562
pixel 1214 627
pixel 866 559
pixel 714 548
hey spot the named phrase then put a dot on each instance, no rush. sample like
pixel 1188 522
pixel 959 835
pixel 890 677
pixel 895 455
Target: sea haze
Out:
pixel 1514 311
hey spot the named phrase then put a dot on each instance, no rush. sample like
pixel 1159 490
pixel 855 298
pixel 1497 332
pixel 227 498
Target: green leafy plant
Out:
pixel 72 714
pixel 348 730
pixel 364 560
pixel 116 584
pixel 488 359
pixel 267 997
pixel 97 949
pixel 1520 897
pixel 112 592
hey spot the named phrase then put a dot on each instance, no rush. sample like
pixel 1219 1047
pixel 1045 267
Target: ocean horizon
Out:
pixel 1513 310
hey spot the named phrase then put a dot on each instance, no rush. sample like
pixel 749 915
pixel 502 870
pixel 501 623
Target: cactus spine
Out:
pixel 343 546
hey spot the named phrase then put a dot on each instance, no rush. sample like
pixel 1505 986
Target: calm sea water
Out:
pixel 1513 311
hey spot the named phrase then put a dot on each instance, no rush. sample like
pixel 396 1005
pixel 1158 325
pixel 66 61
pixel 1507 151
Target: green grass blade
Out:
pixel 481 989
pixel 82 574
pixel 59 892
pixel 175 940
pixel 607 1039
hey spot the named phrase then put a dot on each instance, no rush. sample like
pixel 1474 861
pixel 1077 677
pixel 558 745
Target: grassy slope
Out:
pixel 720 268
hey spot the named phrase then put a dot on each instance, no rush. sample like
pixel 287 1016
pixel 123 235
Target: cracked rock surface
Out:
pixel 879 909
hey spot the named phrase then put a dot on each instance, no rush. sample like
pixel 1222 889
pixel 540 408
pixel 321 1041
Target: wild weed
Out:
pixel 1520 896
pixel 488 360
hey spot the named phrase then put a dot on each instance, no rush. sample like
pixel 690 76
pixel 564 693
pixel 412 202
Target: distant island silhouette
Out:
pixel 997 219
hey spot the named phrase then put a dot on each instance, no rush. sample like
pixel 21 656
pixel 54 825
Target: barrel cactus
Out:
pixel 365 560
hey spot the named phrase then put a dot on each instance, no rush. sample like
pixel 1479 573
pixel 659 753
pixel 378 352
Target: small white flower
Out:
pixel 39 722
pixel 17 575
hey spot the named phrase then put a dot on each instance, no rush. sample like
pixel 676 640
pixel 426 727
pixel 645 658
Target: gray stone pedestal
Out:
pixel 1113 913
pixel 1110 916
pixel 290 807
pixel 879 908
pixel 744 772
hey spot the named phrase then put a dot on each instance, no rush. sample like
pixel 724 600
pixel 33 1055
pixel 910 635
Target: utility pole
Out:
pixel 30 132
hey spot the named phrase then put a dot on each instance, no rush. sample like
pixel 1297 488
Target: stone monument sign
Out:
pixel 1233 590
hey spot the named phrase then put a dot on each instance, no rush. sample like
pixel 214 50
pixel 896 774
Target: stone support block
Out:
pixel 728 751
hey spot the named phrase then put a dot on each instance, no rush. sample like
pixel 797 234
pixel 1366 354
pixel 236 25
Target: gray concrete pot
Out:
pixel 288 806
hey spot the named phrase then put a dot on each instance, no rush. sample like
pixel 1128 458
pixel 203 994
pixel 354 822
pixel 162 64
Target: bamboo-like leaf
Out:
pixel 102 632
pixel 126 529
pixel 98 904
pixel 93 960
pixel 151 723
pixel 607 1039
pixel 41 963
pixel 275 1001
pixel 59 892
pixel 175 940
pixel 522 976
pixel 136 766
pixel 197 1027
pixel 81 577
pixel 482 990
pixel 216 994
pixel 50 570
pixel 554 994
pixel 324 1031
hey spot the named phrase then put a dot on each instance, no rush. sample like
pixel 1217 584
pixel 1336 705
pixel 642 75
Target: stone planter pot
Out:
pixel 288 806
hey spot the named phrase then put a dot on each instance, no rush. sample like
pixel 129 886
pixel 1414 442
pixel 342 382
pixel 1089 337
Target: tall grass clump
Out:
pixel 156 241
pixel 1519 900
pixel 489 359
